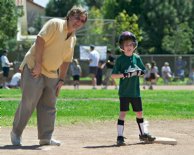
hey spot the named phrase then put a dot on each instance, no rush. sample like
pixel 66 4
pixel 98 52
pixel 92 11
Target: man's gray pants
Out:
pixel 39 93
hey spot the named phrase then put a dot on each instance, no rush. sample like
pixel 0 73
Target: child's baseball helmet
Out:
pixel 127 36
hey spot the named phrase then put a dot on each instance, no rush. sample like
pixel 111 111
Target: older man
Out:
pixel 43 70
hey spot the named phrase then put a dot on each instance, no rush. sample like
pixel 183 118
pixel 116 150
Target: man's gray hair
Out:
pixel 77 10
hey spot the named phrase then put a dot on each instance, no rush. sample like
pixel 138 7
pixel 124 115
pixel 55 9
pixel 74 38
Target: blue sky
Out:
pixel 41 2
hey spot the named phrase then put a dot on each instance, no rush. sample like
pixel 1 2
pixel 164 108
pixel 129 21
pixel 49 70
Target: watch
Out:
pixel 61 80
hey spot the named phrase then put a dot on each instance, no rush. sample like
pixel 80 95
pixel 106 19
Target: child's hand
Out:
pixel 135 73
pixel 125 75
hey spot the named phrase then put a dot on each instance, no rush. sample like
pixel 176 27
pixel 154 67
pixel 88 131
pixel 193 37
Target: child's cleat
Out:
pixel 120 140
pixel 146 138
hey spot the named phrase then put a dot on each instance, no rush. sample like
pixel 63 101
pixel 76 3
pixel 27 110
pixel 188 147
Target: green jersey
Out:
pixel 128 87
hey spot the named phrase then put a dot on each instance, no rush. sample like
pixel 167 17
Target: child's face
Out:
pixel 129 47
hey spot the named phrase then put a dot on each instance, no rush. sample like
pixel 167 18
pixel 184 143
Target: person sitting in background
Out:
pixel 15 81
pixel 166 73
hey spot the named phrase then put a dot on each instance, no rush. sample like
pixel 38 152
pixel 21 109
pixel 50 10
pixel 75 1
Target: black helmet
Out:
pixel 127 36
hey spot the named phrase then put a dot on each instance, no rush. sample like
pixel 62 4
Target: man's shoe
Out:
pixel 120 140
pixel 15 140
pixel 146 138
pixel 49 142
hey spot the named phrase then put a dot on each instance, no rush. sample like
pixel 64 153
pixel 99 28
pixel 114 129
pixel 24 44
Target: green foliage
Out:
pixel 8 24
pixel 94 3
pixel 59 8
pixel 97 30
pixel 180 40
pixel 124 22
pixel 94 28
pixel 159 20
pixel 112 8
pixel 158 23
pixel 37 24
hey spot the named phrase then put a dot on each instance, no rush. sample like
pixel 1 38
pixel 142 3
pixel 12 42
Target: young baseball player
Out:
pixel 128 68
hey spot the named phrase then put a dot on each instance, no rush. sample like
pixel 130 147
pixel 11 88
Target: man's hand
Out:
pixel 10 64
pixel 36 72
pixel 59 85
pixel 62 72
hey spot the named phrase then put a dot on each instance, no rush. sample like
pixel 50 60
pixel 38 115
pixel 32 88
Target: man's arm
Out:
pixel 63 70
pixel 62 73
pixel 39 47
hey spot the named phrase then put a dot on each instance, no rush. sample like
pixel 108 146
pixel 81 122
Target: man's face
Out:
pixel 77 21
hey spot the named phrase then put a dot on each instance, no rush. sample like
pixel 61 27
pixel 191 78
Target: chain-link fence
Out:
pixel 160 60
pixel 171 59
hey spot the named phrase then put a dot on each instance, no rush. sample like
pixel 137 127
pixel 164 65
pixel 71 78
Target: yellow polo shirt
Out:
pixel 57 48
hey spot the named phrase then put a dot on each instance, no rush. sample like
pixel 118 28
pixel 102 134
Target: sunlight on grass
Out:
pixel 102 105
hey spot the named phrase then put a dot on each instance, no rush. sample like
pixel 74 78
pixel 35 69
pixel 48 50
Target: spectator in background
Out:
pixel 94 58
pixel 15 81
pixel 154 76
pixel 191 77
pixel 109 67
pixel 180 68
pixel 147 75
pixel 5 66
pixel 99 74
pixel 166 73
pixel 76 73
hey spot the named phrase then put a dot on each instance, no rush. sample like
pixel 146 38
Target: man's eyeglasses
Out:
pixel 79 18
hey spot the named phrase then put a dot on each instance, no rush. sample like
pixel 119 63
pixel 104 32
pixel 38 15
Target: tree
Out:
pixel 124 22
pixel 94 3
pixel 59 8
pixel 8 24
pixel 97 30
pixel 179 42
pixel 159 19
pixel 191 25
pixel 112 8
pixel 93 28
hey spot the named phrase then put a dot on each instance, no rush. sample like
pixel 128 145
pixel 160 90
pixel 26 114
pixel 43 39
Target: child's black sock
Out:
pixel 140 123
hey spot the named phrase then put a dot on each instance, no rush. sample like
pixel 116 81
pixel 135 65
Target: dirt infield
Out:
pixel 99 139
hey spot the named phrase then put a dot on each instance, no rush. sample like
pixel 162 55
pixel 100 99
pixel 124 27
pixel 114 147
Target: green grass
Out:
pixel 100 105
pixel 159 82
